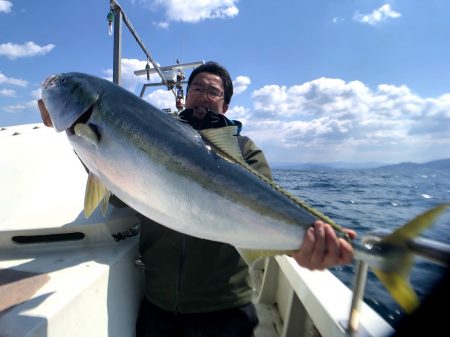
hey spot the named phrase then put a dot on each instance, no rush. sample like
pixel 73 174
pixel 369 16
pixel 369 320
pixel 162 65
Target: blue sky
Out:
pixel 315 81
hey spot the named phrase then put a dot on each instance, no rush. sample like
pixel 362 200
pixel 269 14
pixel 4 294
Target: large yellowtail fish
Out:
pixel 196 182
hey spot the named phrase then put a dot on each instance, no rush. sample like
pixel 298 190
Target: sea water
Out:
pixel 373 199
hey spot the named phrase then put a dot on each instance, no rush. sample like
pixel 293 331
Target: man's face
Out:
pixel 206 92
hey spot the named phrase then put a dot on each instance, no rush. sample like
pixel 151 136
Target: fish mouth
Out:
pixel 67 99
pixel 45 115
pixel 83 119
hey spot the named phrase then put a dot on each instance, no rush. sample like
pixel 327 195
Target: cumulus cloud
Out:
pixel 195 11
pixel 162 99
pixel 36 93
pixel 161 24
pixel 12 81
pixel 129 80
pixel 5 6
pixel 238 112
pixel 7 93
pixel 381 14
pixel 21 107
pixel 28 49
pixel 27 106
pixel 240 84
pixel 311 99
pixel 326 117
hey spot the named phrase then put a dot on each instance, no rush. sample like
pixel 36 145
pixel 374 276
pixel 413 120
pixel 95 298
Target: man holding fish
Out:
pixel 197 287
pixel 206 198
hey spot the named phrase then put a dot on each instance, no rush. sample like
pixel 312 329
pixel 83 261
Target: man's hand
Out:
pixel 322 249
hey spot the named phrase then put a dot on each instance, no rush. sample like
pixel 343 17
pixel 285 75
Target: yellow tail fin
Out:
pixel 397 283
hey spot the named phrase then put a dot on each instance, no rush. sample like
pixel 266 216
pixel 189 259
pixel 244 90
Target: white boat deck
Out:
pixel 64 275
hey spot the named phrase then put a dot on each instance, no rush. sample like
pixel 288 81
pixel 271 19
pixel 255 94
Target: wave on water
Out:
pixel 374 199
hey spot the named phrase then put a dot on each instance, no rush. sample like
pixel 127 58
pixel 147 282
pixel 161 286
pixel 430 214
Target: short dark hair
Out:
pixel 215 69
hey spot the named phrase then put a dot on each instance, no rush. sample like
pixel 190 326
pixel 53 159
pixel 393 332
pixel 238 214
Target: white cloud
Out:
pixel 195 11
pixel 378 15
pixel 20 107
pixel 129 80
pixel 5 6
pixel 310 99
pixel 36 93
pixel 240 84
pixel 161 24
pixel 13 51
pixel 12 81
pixel 162 99
pixel 238 112
pixel 330 119
pixel 7 92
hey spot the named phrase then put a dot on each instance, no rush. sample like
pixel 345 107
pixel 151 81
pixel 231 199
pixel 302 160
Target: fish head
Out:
pixel 66 99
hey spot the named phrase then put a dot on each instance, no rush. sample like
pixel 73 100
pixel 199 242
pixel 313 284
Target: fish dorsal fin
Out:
pixel 225 139
pixel 96 193
pixel 86 132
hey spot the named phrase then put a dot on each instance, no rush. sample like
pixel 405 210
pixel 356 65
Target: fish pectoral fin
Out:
pixel 96 193
pixel 86 132
pixel 225 140
pixel 400 289
pixel 251 256
pixel 105 202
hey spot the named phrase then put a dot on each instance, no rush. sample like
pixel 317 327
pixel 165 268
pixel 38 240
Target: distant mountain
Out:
pixel 442 164
pixel 318 166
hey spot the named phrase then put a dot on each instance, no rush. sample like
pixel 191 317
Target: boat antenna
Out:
pixel 181 50
pixel 147 68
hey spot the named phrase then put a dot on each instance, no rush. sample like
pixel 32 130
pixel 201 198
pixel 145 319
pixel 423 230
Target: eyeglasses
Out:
pixel 211 92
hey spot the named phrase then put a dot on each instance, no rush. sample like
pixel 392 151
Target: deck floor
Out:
pixel 269 321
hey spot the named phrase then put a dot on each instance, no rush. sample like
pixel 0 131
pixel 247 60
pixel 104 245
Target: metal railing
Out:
pixel 120 15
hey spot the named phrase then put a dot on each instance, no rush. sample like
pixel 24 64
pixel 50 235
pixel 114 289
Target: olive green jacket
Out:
pixel 191 275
